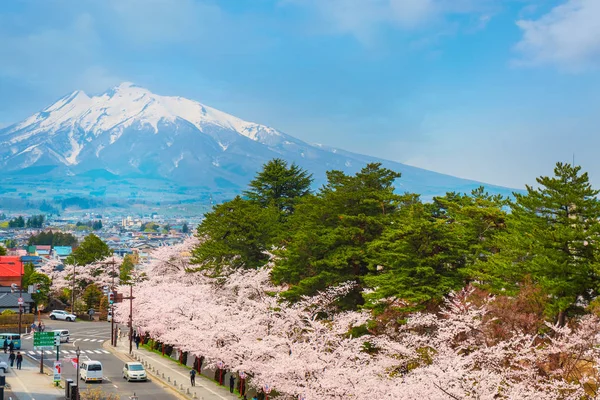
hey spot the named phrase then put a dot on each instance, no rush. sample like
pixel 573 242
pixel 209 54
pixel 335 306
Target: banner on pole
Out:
pixel 57 371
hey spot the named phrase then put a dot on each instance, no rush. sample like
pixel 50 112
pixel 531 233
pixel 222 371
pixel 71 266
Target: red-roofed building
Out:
pixel 11 270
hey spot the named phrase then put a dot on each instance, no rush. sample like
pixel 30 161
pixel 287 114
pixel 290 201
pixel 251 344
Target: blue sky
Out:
pixel 492 90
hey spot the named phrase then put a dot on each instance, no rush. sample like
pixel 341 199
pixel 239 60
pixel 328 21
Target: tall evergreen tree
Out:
pixel 279 185
pixel 330 232
pixel 553 237
pixel 424 253
pixel 235 234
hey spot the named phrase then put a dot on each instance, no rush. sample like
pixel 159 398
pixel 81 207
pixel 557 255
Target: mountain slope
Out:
pixel 130 133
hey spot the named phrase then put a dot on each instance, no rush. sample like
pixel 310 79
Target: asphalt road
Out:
pixel 89 337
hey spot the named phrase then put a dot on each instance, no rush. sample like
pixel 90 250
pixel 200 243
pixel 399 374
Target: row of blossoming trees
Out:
pixel 307 348
pixel 358 292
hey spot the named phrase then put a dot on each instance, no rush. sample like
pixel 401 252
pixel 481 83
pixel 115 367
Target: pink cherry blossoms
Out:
pixel 306 348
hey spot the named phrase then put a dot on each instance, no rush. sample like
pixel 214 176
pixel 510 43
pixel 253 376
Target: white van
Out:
pixel 91 371
pixel 64 335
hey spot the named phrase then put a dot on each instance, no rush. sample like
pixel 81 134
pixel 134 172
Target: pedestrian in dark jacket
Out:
pixel 5 345
pixel 231 383
pixel 137 342
pixel 11 358
pixel 193 377
pixel 11 345
pixel 19 359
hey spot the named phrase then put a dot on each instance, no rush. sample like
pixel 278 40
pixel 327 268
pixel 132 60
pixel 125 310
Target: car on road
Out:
pixel 134 371
pixel 91 371
pixel 62 315
pixel 64 335
pixel 3 366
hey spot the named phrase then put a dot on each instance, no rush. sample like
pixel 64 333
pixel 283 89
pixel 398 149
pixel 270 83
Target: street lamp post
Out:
pixel 77 352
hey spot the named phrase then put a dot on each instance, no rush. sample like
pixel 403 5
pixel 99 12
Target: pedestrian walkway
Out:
pixel 29 384
pixel 174 375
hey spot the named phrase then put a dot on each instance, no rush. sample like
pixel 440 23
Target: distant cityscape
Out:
pixel 127 234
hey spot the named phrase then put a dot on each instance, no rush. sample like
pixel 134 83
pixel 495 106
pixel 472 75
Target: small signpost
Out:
pixel 57 371
pixel 20 301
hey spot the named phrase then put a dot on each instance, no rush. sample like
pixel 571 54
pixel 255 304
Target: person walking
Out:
pixel 11 345
pixel 231 383
pixel 19 359
pixel 11 358
pixel 137 342
pixel 5 345
pixel 33 326
pixel 193 377
pixel 41 327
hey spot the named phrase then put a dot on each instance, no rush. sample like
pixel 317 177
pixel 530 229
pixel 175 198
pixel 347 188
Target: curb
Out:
pixel 126 358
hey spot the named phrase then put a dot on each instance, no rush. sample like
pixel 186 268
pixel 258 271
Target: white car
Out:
pixel 134 371
pixel 3 366
pixel 91 371
pixel 62 315
pixel 64 335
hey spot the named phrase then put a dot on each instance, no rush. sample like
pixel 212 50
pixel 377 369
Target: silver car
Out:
pixel 134 371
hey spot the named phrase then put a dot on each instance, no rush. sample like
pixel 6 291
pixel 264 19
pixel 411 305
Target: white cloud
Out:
pixel 362 18
pixel 568 36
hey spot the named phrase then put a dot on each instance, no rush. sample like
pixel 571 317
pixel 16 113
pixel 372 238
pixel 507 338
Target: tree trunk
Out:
pixel 562 318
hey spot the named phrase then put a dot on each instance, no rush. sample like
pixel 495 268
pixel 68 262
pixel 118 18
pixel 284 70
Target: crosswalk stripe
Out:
pixel 31 352
pixel 39 352
pixel 89 351
pixel 48 352
pixel 85 340
pixel 105 352
pixel 97 351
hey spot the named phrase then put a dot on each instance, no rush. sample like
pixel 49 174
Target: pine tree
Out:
pixel 236 234
pixel 279 185
pixel 425 252
pixel 330 232
pixel 552 237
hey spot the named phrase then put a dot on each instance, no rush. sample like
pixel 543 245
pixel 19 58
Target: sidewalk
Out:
pixel 29 384
pixel 172 374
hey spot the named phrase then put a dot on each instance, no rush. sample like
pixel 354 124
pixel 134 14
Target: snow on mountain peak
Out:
pixel 123 106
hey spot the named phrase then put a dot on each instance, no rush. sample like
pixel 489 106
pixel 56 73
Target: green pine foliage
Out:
pixel 236 234
pixel 279 185
pixel 552 238
pixel 358 228
pixel 331 231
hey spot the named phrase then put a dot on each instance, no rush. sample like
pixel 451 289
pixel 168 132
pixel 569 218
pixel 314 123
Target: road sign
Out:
pixel 57 371
pixel 44 340
pixel 20 301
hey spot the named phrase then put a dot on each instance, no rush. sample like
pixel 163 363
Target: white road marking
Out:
pixel 85 340
pixel 31 352
pixel 105 351
pixel 97 351
pixel 39 352
pixel 49 352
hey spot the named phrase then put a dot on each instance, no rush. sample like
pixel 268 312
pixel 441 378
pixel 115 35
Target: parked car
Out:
pixel 62 315
pixel 64 335
pixel 91 371
pixel 134 371
pixel 3 366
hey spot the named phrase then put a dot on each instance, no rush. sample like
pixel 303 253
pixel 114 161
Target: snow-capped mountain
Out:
pixel 129 132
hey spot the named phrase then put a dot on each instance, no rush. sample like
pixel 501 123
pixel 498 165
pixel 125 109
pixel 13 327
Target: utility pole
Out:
pixel 73 291
pixel 130 298
pixel 20 296
pixel 113 339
